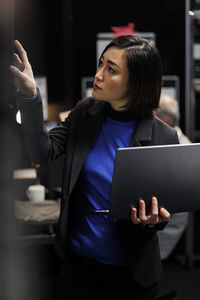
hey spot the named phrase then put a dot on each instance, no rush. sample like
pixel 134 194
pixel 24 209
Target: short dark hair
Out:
pixel 145 72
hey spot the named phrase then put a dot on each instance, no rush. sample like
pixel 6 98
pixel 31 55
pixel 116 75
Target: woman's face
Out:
pixel 111 79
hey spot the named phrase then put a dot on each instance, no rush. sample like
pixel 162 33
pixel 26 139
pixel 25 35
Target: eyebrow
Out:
pixel 112 63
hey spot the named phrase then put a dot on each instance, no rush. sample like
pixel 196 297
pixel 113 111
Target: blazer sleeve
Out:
pixel 41 145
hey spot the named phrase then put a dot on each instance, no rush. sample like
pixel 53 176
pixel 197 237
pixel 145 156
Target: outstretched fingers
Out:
pixel 157 215
pixel 142 210
pixel 16 71
pixel 154 217
pixel 22 52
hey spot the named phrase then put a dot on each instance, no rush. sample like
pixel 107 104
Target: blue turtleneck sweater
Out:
pixel 95 236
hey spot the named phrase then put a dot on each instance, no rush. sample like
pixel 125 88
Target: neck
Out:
pixel 121 115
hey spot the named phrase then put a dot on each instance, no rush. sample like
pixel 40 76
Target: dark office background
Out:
pixel 61 38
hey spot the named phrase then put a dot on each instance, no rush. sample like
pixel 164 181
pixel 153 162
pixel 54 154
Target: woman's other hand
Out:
pixel 23 74
pixel 156 216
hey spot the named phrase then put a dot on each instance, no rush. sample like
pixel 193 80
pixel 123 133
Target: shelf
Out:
pixel 196 84
pixel 192 70
pixel 36 239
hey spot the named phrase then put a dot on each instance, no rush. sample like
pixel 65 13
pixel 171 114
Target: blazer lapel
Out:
pixel 84 140
pixel 143 134
pixel 86 135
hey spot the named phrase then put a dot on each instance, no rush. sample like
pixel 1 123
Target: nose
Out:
pixel 99 74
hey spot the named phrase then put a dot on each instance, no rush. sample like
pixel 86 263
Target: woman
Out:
pixel 103 259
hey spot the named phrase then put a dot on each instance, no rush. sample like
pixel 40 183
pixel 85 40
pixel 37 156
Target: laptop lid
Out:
pixel 169 172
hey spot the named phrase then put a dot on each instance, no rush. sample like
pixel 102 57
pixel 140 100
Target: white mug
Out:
pixel 36 192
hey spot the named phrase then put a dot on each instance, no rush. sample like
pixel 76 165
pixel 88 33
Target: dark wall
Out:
pixel 61 38
pixel 165 18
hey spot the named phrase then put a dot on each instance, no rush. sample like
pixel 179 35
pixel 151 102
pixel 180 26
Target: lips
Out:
pixel 96 87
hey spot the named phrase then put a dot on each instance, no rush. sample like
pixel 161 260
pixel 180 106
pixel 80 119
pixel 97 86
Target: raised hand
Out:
pixel 23 73
pixel 156 216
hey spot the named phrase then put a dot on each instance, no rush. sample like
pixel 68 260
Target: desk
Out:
pixel 36 222
pixel 36 257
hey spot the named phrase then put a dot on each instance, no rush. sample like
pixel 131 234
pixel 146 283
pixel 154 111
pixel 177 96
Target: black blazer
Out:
pixel 74 137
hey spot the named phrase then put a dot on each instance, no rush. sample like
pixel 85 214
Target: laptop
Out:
pixel 169 172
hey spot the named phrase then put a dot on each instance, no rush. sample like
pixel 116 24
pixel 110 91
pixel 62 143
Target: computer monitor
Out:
pixel 41 82
pixel 171 86
pixel 87 86
pixel 104 38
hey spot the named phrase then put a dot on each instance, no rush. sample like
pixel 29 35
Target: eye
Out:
pixel 100 63
pixel 111 70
